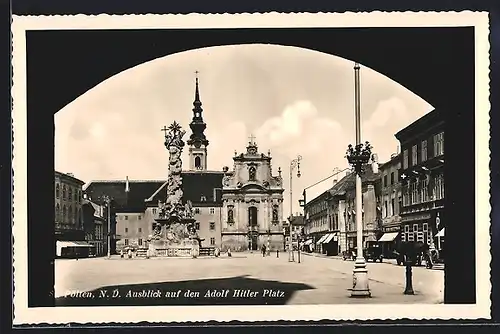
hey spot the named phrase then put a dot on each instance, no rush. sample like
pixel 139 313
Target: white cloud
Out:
pixel 390 116
pixel 298 130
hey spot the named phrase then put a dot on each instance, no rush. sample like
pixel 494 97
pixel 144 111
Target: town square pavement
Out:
pixel 244 278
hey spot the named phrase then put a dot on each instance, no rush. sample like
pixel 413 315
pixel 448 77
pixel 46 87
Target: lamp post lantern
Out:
pixel 357 157
pixel 295 163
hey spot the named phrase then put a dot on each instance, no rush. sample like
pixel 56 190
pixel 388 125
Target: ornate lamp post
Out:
pixel 107 199
pixel 295 163
pixel 357 157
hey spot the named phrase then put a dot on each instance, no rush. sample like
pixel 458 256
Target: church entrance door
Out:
pixel 253 228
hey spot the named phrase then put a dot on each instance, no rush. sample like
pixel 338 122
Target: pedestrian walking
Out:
pixel 263 249
pixel 229 252
pixel 129 253
pixel 121 253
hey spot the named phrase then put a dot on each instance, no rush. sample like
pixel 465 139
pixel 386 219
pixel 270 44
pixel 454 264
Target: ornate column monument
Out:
pixel 174 232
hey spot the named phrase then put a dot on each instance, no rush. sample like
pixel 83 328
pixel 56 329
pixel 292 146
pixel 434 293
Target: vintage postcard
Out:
pixel 251 167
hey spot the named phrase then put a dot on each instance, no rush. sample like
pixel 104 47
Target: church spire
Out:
pixel 197 124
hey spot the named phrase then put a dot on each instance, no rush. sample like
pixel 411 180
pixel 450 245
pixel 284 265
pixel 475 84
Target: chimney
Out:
pixel 70 174
pixel 127 185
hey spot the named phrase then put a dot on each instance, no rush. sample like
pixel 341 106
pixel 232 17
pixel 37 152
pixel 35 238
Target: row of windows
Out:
pixel 418 191
pixel 421 155
pixel 316 208
pixel 67 214
pixel 419 233
pixel 68 193
pixel 125 217
pixel 393 179
pixel 390 208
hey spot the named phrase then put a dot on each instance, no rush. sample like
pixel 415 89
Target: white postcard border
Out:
pixel 61 315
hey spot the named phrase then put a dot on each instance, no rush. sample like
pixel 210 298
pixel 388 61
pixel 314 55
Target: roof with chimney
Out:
pixel 199 188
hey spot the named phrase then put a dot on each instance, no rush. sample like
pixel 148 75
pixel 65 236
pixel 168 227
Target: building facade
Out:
pixel 252 198
pixel 389 203
pixel 68 207
pixel 318 216
pixel 95 226
pixel 422 180
pixel 331 216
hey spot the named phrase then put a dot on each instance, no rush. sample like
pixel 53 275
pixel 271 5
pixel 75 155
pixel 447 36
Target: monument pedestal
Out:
pixel 175 239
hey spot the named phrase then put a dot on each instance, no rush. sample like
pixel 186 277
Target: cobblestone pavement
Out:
pixel 315 280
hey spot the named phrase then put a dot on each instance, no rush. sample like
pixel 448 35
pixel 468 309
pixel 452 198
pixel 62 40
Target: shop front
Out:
pixel 423 227
pixel 330 244
pixel 390 240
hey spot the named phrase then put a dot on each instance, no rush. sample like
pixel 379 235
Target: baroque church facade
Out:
pixel 252 198
pixel 237 210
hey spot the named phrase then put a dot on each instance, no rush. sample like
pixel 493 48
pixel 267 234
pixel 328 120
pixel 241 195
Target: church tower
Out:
pixel 197 141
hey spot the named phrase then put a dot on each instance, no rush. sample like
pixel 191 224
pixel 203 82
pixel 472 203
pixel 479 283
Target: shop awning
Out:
pixel 322 239
pixel 308 242
pixel 440 234
pixel 390 236
pixel 65 244
pixel 329 238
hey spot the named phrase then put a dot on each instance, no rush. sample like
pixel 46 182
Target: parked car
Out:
pixel 373 252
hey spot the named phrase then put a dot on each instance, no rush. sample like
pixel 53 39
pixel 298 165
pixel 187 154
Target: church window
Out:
pixel 212 211
pixel 197 163
pixel 275 213
pixel 212 226
pixel 251 173
pixel 57 190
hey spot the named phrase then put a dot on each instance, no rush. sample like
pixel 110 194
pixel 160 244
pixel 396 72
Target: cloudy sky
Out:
pixel 295 101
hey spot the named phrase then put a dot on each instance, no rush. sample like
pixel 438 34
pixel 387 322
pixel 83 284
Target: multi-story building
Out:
pixel 422 179
pixel 68 207
pixel 95 225
pixel 68 227
pixel 370 187
pixel 389 203
pixel 317 225
pixel 252 203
